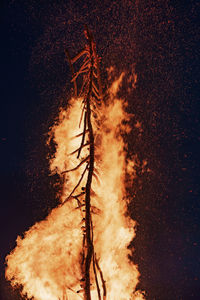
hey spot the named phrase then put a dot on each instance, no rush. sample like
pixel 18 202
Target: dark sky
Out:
pixel 160 39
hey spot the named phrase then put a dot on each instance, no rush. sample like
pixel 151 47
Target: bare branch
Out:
pixel 81 53
pixel 95 93
pixel 94 266
pixel 102 279
pixel 80 194
pixel 78 166
pixel 94 73
pixel 98 72
pixel 81 205
pixel 83 137
pixel 81 115
pixel 85 78
pixel 78 73
pixel 80 134
pixel 95 87
pixel 79 148
pixel 74 189
pixel 78 201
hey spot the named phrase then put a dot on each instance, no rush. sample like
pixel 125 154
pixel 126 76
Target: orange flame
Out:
pixel 47 261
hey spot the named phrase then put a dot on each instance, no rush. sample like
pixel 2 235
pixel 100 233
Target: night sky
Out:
pixel 160 41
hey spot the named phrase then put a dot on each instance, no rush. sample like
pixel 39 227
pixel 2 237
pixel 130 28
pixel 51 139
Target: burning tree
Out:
pixel 80 250
pixel 92 95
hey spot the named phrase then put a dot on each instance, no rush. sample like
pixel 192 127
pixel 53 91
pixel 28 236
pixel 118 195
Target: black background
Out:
pixel 160 40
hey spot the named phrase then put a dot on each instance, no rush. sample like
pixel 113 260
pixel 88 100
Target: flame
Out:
pixel 47 261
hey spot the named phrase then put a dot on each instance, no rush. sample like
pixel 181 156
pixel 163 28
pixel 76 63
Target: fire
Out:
pixel 48 261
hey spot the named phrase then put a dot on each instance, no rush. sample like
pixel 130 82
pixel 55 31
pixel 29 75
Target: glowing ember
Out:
pixel 48 261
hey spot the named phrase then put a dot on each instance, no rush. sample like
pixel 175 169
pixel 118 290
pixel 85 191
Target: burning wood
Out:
pixel 80 250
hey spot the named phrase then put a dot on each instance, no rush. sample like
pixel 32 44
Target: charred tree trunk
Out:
pixel 92 91
pixel 89 244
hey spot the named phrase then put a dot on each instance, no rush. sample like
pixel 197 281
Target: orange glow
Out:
pixel 47 261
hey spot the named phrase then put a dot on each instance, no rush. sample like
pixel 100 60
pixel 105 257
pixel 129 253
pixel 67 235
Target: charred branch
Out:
pixel 94 267
pixel 82 112
pixel 102 279
pixel 78 166
pixel 85 80
pixel 81 53
pixel 80 134
pixel 83 136
pixel 74 189
pixel 85 145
